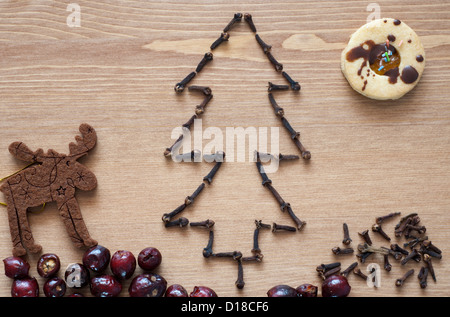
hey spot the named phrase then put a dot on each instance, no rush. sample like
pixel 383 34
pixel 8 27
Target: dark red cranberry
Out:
pixel 16 267
pixel 307 290
pixel 202 291
pixel 105 286
pixel 123 264
pixel 48 265
pixel 75 295
pixel 335 286
pixel 25 287
pixel 176 290
pixel 54 287
pixel 282 291
pixel 148 285
pixel 77 275
pixel 97 258
pixel 149 258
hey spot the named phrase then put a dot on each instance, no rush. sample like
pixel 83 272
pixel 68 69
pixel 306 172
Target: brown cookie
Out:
pixel 52 177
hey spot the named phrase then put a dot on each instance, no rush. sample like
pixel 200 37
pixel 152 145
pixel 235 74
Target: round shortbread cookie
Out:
pixel 373 74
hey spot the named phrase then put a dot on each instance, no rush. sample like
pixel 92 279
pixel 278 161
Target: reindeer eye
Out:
pixel 67 163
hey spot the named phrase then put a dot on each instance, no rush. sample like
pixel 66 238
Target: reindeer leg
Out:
pixel 25 232
pixel 21 235
pixel 14 228
pixel 73 220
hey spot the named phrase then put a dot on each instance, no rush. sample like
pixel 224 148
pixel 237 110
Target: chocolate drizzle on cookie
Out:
pixel 409 75
pixel 374 56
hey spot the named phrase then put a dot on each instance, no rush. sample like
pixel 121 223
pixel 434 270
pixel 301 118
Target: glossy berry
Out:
pixel 48 265
pixel 75 295
pixel 335 286
pixel 25 287
pixel 149 258
pixel 148 285
pixel 97 258
pixel 16 267
pixel 282 291
pixel 77 275
pixel 307 290
pixel 176 290
pixel 54 287
pixel 105 286
pixel 123 264
pixel 202 291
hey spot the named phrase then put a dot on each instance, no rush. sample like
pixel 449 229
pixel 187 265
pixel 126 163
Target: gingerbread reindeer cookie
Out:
pixel 52 177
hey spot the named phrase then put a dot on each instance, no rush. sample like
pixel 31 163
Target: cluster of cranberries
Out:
pixel 333 286
pixel 95 261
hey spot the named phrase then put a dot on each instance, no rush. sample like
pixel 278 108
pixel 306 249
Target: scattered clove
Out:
pixel 341 251
pixel 399 282
pixel 347 271
pixel 347 240
pixel 379 220
pixel 377 228
pixel 365 236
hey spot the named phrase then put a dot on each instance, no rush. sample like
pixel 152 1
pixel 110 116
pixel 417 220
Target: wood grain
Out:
pixel 117 72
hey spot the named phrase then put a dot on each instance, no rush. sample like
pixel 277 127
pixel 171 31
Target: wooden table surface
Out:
pixel 117 72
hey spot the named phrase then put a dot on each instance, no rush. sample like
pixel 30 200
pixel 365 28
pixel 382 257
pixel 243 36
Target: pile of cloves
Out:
pixel 417 248
pixel 195 155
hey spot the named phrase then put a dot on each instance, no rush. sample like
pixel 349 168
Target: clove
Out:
pixel 248 18
pixel 273 87
pixel 377 228
pixel 276 228
pixel 265 47
pixel 206 58
pixel 399 282
pixel 180 222
pixel 203 89
pixel 190 199
pixel 200 109
pixel 300 224
pixel 278 66
pixel 207 251
pixel 179 87
pixel 294 84
pixel 279 112
pixel 349 269
pixel 347 240
pixel 236 18
pixel 340 251
pixel 212 173
pixel 379 220
pixel 223 38
pixel 365 236
pixel 207 224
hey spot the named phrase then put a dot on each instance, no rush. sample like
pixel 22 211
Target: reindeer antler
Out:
pixel 84 143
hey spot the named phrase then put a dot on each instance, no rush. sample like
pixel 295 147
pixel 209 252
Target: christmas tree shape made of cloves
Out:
pixel 173 218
